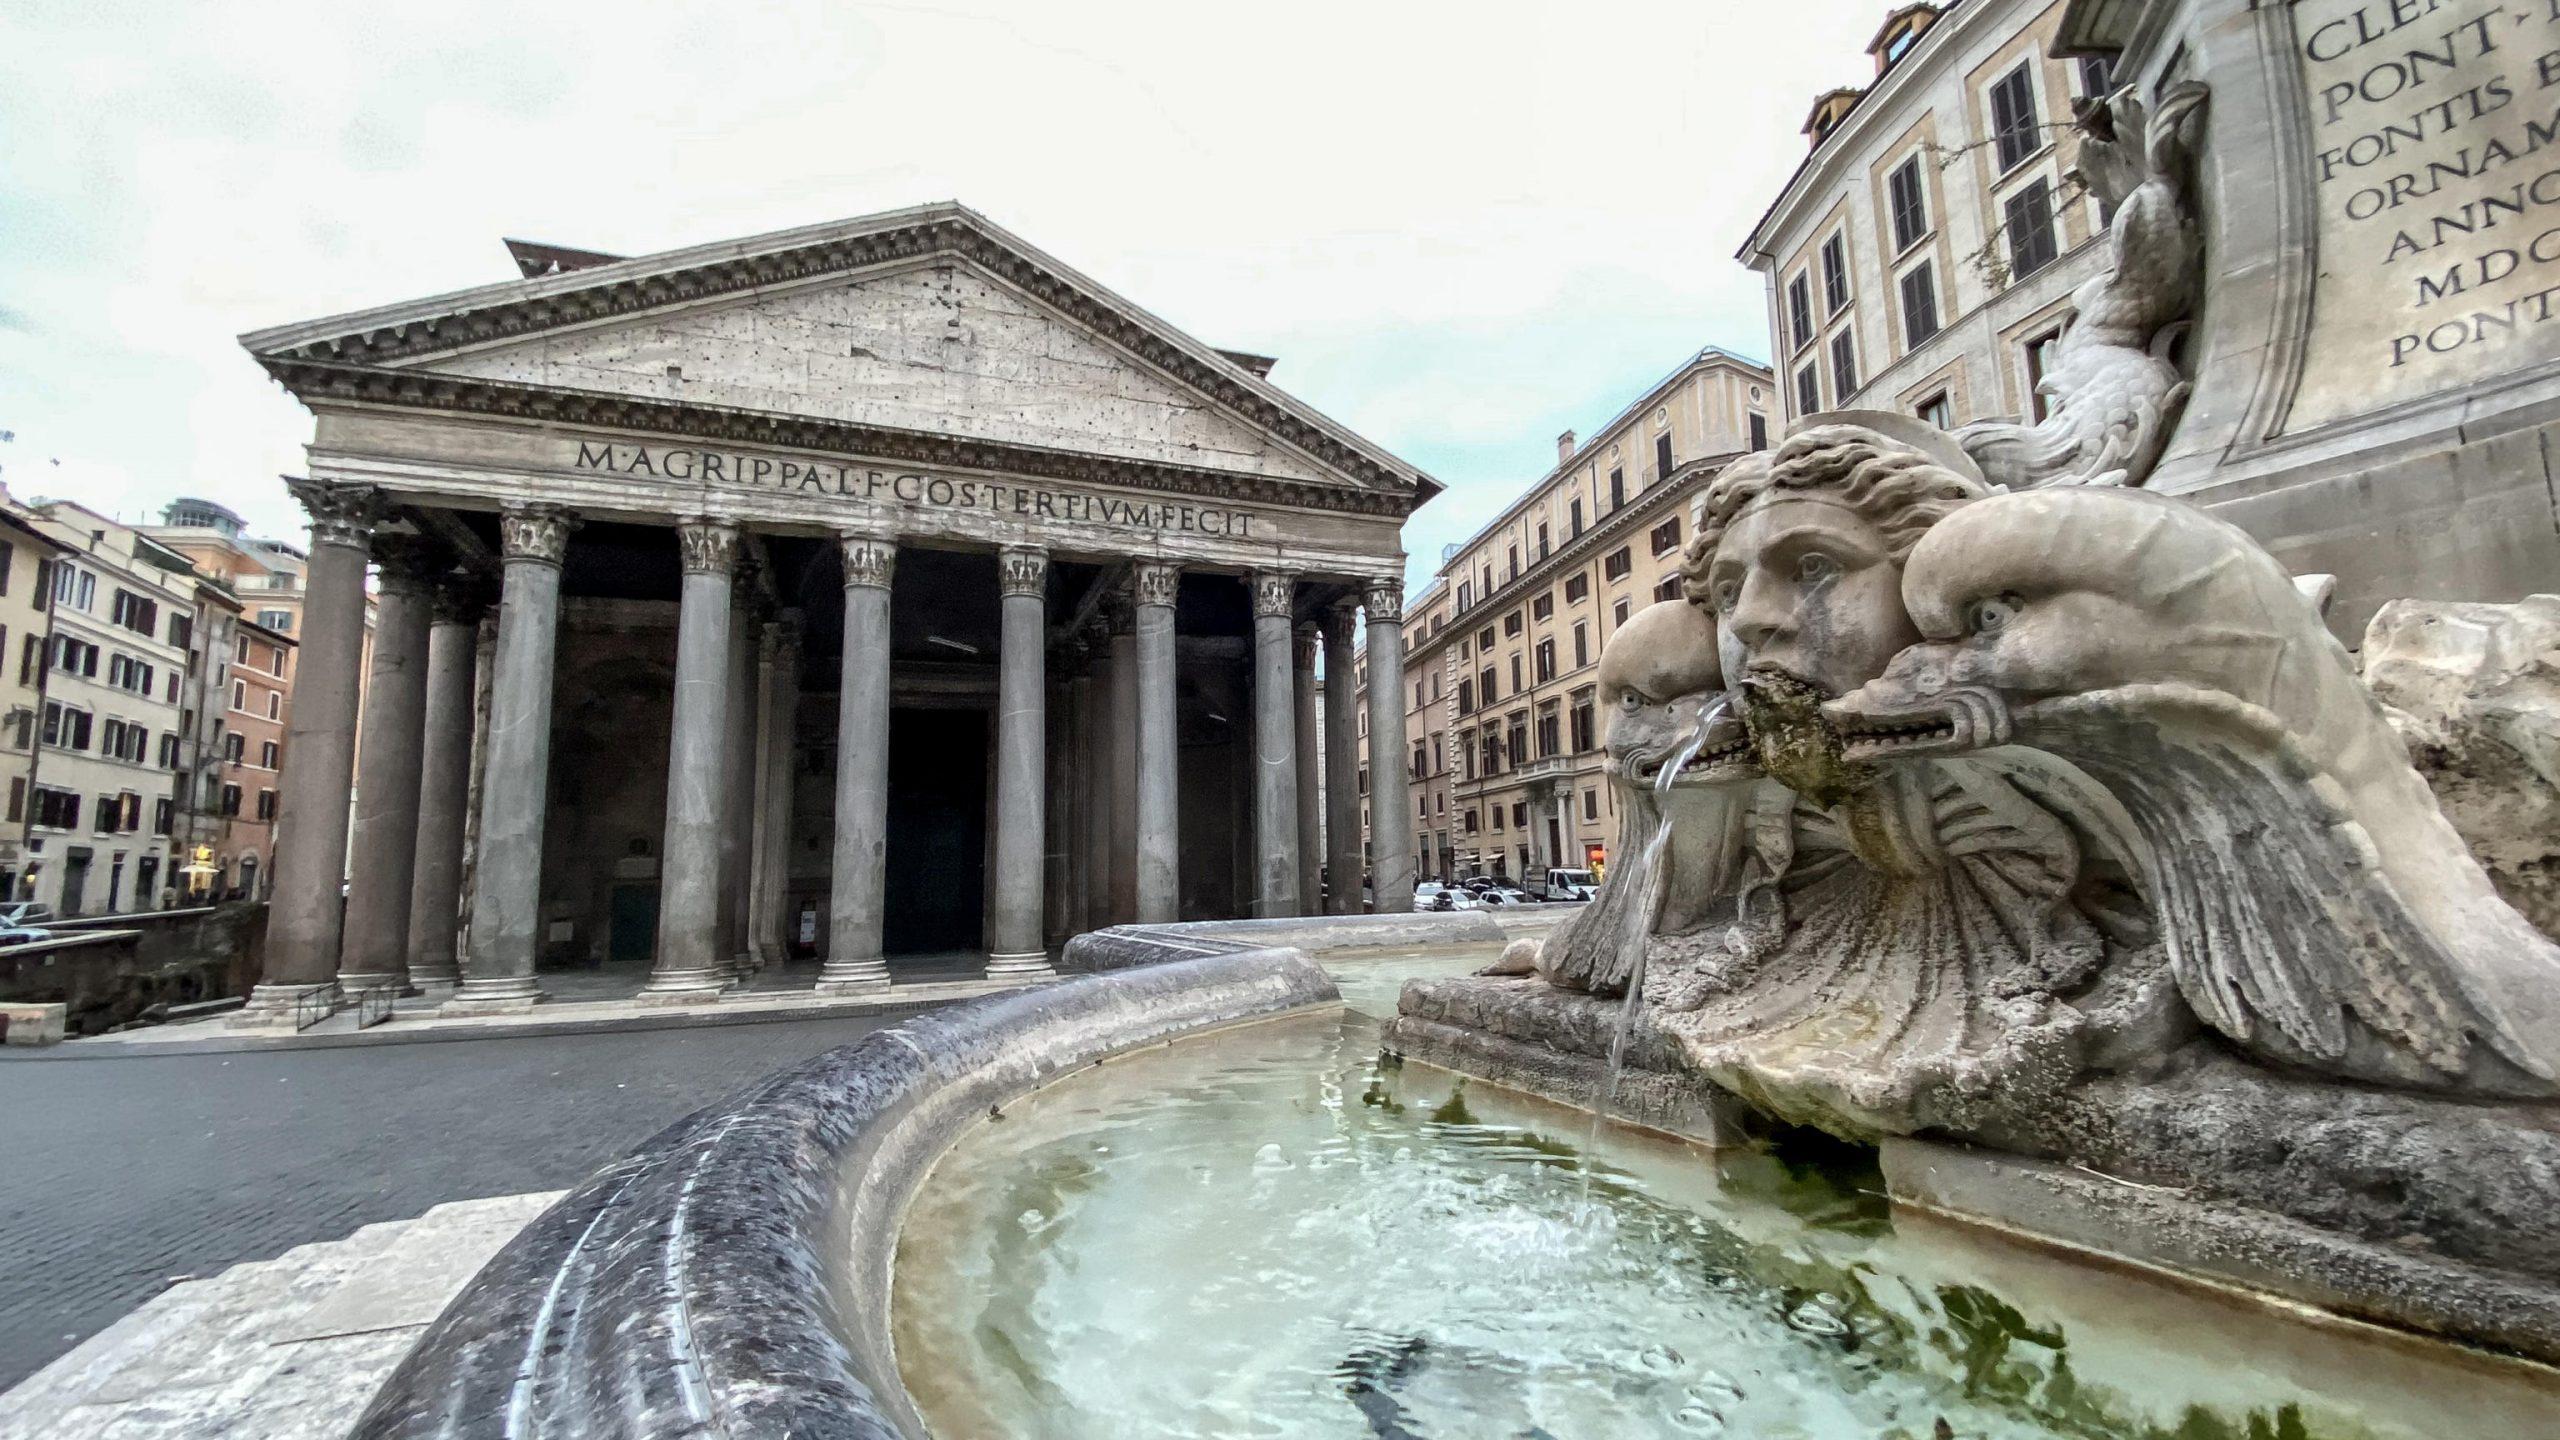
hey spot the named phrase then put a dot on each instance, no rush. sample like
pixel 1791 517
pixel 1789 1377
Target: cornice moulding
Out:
pixel 318 383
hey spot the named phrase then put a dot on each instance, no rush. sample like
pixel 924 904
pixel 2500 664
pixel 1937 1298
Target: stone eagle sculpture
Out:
pixel 2115 394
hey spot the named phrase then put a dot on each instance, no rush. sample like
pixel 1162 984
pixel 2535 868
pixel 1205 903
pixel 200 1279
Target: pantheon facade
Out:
pixel 882 588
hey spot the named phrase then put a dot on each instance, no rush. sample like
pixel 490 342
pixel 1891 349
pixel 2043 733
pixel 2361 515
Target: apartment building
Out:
pixel 256 703
pixel 245 669
pixel 1502 645
pixel 111 737
pixel 1922 257
pixel 26 599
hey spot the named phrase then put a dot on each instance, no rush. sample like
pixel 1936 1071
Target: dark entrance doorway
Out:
pixel 937 831
pixel 75 881
pixel 634 922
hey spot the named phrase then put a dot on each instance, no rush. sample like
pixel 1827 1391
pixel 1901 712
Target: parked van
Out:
pixel 1569 885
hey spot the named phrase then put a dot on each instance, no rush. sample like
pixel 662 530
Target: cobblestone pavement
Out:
pixel 120 1176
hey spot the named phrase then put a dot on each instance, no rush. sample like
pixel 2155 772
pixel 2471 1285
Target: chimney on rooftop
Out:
pixel 1564 447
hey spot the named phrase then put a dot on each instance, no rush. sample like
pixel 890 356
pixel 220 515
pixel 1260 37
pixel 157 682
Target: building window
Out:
pixel 1517 741
pixel 1516 686
pixel 1758 426
pixel 57 809
pixel 280 621
pixel 275 704
pixel 239 694
pixel 1584 730
pixel 1484 686
pixel 1543 608
pixel 1666 536
pixel 1546 661
pixel 2030 227
pixel 1910 205
pixel 1577 588
pixel 1617 563
pixel 169 752
pixel 135 613
pixel 161 815
pixel 1581 645
pixel 1919 306
pixel 230 799
pixel 1576 515
pixel 1511 623
pixel 1937 411
pixel 2040 357
pixel 1550 731
pixel 1617 489
pixel 1661 457
pixel 1618 613
pixel 2013 116
pixel 267 799
pixel 1800 309
pixel 1542 540
pixel 1835 273
pixel 1669 589
pixel 1844 363
pixel 234 746
pixel 1808 390
pixel 2097 75
pixel 1466 697
pixel 1484 642
pixel 1590 804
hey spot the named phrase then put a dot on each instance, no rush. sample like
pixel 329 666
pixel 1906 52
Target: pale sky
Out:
pixel 1461 228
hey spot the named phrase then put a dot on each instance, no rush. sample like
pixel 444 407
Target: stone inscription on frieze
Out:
pixel 2435 150
pixel 880 489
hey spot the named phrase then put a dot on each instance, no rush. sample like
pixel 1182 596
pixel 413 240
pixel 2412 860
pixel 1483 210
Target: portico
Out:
pixel 877 588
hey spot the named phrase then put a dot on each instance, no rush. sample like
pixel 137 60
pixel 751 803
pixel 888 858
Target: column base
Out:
pixel 277 1006
pixel 356 983
pixel 496 995
pixel 435 979
pixel 694 986
pixel 866 976
pixel 1019 965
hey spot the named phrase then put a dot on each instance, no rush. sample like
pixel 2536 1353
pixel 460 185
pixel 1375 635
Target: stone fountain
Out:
pixel 2036 827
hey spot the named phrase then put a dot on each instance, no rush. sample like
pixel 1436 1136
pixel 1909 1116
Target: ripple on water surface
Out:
pixel 1267 1232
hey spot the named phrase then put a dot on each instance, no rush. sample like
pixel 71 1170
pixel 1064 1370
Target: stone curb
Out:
pixel 737 1265
pixel 670 1018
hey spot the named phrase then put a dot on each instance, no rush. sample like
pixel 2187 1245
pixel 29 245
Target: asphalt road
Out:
pixel 120 1176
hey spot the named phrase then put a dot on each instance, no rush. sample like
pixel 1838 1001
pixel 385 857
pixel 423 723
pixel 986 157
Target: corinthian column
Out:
pixel 1159 748
pixel 1275 748
pixel 1341 760
pixel 691 965
pixel 1390 819
pixel 304 913
pixel 858 904
pixel 738 770
pixel 515 788
pixel 778 696
pixel 382 860
pixel 1013 926
pixel 444 781
pixel 1302 681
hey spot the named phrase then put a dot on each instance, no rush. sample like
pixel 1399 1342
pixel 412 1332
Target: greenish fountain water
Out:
pixel 1269 1232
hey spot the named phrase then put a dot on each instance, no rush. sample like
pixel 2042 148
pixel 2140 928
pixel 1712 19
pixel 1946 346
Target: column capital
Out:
pixel 1275 592
pixel 410 564
pixel 710 545
pixel 870 560
pixel 1022 570
pixel 1155 582
pixel 1343 611
pixel 1385 602
pixel 340 514
pixel 1117 615
pixel 1306 635
pixel 536 532
pixel 781 638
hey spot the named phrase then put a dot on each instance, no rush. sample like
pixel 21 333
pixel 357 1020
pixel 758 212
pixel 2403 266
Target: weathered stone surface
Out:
pixel 2474 690
pixel 737 1265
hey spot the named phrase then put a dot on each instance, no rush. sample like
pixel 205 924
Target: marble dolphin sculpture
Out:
pixel 2318 909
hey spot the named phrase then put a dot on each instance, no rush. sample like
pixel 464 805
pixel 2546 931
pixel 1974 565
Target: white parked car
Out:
pixel 1432 895
pixel 1571 884
pixel 26 912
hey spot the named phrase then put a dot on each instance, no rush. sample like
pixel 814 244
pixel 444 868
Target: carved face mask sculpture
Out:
pixel 1800 557
pixel 1656 676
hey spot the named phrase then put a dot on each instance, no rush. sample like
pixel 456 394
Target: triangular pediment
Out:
pixel 941 347
pixel 930 322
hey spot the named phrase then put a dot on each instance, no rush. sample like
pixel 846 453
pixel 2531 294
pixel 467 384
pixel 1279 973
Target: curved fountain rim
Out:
pixel 731 1275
